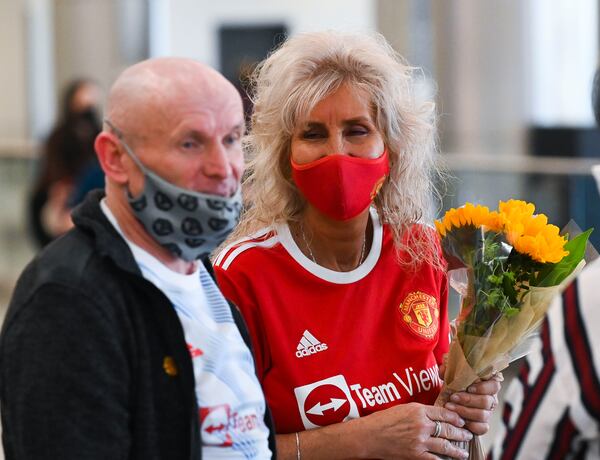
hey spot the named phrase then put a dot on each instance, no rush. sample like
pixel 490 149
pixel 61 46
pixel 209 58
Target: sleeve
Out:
pixel 238 289
pixel 65 381
pixel 443 344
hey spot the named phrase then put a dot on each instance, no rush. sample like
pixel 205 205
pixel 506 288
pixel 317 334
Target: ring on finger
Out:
pixel 438 429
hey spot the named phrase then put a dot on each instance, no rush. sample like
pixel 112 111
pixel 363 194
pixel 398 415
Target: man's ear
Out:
pixel 111 157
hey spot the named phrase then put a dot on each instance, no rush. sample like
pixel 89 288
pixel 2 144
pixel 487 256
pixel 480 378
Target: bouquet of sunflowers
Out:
pixel 507 265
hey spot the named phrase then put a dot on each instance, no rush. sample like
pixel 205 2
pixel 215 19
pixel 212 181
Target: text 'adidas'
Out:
pixel 309 345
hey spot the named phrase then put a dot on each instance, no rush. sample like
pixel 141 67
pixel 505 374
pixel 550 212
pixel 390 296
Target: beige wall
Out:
pixel 192 25
pixel 13 77
pixel 478 64
pixel 86 34
pixel 481 71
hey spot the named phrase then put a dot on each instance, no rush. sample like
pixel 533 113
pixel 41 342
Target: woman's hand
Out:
pixel 406 432
pixel 477 403
pixel 403 432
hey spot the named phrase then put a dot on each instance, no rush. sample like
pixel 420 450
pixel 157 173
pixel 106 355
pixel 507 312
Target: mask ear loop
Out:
pixel 128 150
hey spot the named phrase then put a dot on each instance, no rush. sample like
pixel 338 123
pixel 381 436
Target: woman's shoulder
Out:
pixel 417 232
pixel 417 245
pixel 246 248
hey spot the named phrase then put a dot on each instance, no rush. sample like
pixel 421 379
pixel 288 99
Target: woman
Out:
pixel 68 155
pixel 346 302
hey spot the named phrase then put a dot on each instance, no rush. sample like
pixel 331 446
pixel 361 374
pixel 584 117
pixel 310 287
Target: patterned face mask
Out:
pixel 189 224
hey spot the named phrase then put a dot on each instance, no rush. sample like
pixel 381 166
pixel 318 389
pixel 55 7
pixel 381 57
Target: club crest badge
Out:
pixel 421 314
pixel 377 187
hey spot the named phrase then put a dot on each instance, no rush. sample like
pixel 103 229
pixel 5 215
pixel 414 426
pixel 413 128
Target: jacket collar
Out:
pixel 89 218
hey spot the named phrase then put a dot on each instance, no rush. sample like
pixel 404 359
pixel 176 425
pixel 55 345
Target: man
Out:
pixel 552 409
pixel 117 343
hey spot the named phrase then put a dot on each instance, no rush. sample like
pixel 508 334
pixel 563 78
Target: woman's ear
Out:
pixel 111 157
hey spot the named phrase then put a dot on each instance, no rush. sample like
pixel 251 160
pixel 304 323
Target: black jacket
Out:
pixel 87 352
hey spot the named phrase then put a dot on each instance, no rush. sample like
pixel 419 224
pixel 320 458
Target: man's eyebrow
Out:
pixel 199 134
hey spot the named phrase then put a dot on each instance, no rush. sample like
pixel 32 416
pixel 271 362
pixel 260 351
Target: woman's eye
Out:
pixel 357 131
pixel 312 135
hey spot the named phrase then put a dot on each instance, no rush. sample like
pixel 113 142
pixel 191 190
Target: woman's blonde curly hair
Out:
pixel 285 88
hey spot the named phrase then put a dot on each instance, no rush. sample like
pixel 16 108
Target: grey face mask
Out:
pixel 189 224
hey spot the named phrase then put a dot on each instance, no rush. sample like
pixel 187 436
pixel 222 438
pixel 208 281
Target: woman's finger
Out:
pixel 486 387
pixel 444 447
pixel 470 414
pixel 453 433
pixel 475 401
pixel 444 415
pixel 478 428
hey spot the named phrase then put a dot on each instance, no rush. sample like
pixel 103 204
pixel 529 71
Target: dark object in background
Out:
pixel 241 48
pixel 564 142
pixel 580 197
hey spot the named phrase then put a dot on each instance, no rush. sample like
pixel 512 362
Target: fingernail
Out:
pixel 461 422
pixel 455 397
pixel 468 435
pixel 464 454
pixel 450 406
pixel 471 389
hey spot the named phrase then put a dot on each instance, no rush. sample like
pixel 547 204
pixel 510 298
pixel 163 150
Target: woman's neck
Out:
pixel 337 245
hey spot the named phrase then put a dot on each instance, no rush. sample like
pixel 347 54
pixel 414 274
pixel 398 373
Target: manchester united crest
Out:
pixel 377 187
pixel 421 313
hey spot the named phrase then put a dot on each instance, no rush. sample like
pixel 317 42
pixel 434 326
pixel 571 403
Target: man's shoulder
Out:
pixel 70 265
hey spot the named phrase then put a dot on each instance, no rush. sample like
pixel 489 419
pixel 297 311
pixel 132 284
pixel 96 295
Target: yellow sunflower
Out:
pixel 531 234
pixel 469 215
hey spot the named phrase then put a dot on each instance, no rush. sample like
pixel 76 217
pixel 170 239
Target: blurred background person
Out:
pixel 552 409
pixel 68 165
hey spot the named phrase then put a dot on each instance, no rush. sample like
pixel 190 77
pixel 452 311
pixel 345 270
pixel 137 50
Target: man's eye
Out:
pixel 189 144
pixel 231 139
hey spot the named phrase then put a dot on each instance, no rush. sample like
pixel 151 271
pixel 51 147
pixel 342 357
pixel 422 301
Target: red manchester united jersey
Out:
pixel 331 346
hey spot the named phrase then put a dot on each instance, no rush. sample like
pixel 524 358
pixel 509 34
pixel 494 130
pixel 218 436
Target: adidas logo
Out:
pixel 309 345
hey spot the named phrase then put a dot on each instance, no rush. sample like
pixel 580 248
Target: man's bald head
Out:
pixel 179 120
pixel 148 91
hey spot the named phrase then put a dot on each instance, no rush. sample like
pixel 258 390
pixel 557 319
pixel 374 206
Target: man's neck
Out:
pixel 134 231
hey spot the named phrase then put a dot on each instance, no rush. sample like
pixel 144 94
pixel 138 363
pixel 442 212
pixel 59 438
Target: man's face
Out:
pixel 193 141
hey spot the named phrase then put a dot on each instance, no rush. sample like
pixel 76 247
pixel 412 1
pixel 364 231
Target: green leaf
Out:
pixel 555 273
pixel 511 311
pixel 495 279
pixel 508 283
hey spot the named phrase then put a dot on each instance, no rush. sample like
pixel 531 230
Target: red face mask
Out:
pixel 341 186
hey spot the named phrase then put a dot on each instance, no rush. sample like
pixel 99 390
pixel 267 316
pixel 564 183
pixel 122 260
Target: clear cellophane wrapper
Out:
pixel 478 357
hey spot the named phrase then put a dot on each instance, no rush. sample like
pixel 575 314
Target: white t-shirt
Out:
pixel 231 405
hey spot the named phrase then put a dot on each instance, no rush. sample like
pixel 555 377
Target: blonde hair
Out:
pixel 287 86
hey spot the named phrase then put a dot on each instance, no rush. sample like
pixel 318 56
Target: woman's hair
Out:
pixel 287 86
pixel 68 96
